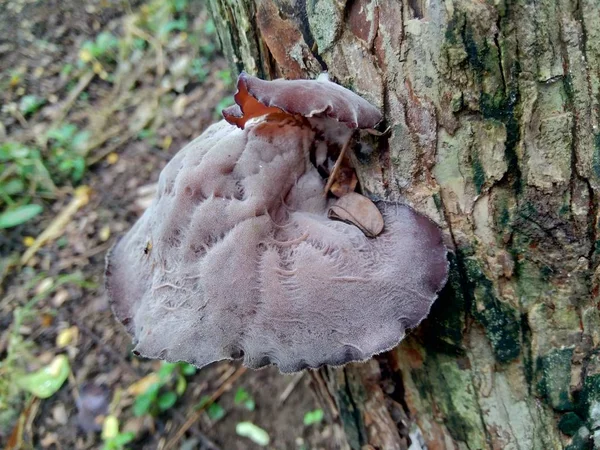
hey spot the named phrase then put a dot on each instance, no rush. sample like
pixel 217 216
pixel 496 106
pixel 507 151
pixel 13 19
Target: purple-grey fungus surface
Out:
pixel 237 258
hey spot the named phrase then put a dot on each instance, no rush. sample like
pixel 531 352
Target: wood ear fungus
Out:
pixel 245 260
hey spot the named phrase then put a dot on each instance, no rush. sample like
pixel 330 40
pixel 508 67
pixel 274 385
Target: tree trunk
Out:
pixel 493 109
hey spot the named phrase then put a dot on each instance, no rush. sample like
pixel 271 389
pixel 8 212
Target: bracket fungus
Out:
pixel 246 253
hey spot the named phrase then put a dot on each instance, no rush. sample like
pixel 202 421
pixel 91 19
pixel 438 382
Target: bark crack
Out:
pixel 499 49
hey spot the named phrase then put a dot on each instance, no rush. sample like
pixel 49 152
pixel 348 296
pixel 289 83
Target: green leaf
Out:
pixel 104 42
pixel 204 400
pixel 124 438
pixel 179 5
pixel 167 400
pixel 252 432
pixel 12 187
pixel 143 403
pixel 215 411
pixel 62 134
pixel 242 397
pixel 19 215
pixel 188 369
pixel 78 166
pixel 225 76
pixel 313 417
pixel 166 369
pixel 181 385
pixel 66 70
pixel 80 141
pixel 174 25
pixel 45 382
pixel 30 104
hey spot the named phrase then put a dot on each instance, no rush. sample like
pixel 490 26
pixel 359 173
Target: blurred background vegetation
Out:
pixel 96 97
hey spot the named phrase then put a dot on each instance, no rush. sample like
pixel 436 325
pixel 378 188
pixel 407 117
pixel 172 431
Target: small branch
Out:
pixel 338 164
pixel 290 387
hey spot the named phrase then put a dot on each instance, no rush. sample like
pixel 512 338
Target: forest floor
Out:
pixel 96 97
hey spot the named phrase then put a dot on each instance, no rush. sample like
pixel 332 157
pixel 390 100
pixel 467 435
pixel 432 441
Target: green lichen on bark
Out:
pixel 555 378
pixel 443 379
pixel 500 321
pixel 570 423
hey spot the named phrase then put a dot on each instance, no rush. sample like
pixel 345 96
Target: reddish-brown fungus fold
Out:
pixel 307 98
pixel 237 258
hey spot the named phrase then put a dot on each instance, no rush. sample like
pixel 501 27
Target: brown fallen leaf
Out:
pixel 345 181
pixel 358 210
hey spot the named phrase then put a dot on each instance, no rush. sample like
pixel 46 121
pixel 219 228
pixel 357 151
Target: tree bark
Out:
pixel 493 109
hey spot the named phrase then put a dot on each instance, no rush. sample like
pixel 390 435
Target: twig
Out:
pixel 83 258
pixel 23 425
pixel 323 394
pixel 205 442
pixel 227 384
pixel 95 159
pixel 157 46
pixel 84 81
pixel 56 227
pixel 338 164
pixel 17 115
pixel 290 387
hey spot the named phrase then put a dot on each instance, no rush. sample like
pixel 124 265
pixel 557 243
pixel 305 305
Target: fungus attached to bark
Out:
pixel 319 98
pixel 238 256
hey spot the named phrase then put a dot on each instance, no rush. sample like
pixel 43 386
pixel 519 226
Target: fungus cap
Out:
pixel 236 258
pixel 239 256
pixel 307 98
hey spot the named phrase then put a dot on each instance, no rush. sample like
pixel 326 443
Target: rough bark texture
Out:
pixel 493 107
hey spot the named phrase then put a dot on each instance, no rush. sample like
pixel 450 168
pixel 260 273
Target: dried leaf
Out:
pixel 345 181
pixel 67 337
pixel 358 210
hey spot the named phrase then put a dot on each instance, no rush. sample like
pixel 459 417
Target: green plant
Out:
pixel 103 48
pixel 15 385
pixel 27 174
pixel 30 104
pixel 68 148
pixel 162 394
pixel 161 18
pixel 223 103
pixel 19 215
pixel 226 77
pixel 215 412
pixel 243 397
pixel 113 438
pixel 23 174
pixel 199 69
pixel 313 417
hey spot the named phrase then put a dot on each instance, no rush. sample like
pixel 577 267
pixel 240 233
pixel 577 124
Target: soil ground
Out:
pixel 134 99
